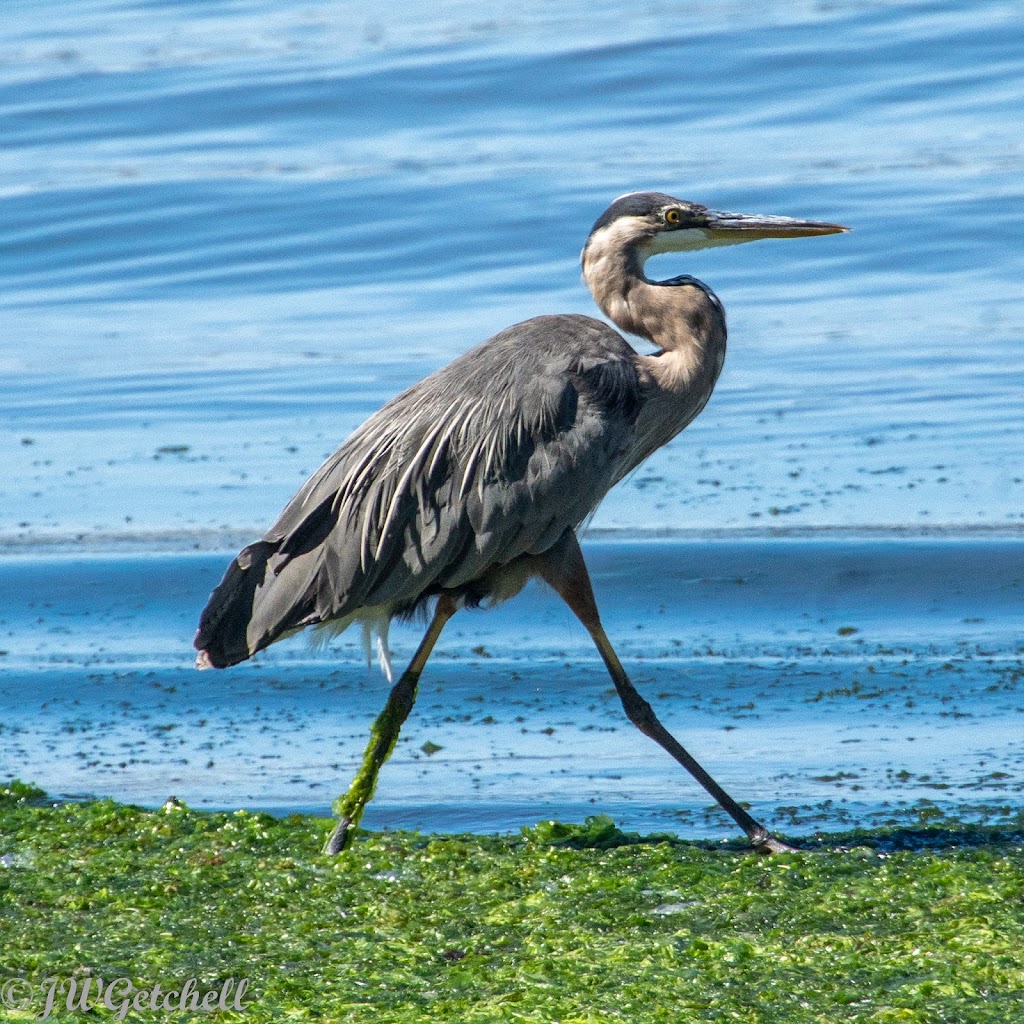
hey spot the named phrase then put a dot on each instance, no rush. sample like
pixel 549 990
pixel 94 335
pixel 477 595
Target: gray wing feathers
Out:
pixel 490 458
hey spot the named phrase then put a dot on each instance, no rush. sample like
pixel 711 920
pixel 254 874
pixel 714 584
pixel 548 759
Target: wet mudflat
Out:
pixel 831 680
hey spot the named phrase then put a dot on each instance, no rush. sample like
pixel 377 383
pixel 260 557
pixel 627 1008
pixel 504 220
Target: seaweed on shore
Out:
pixel 561 922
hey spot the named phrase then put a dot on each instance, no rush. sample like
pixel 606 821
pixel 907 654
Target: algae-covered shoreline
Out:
pixel 579 923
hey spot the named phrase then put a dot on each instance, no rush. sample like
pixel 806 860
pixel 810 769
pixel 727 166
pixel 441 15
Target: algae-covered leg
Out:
pixel 384 733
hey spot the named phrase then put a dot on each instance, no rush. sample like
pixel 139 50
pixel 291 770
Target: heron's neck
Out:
pixel 685 319
pixel 682 317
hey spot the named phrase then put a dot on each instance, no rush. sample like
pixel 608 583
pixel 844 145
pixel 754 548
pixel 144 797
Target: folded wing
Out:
pixel 490 458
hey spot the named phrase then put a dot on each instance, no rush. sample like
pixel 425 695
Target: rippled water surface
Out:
pixel 231 230
pixel 237 228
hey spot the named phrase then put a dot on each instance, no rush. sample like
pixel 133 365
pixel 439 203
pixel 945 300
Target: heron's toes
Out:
pixel 339 837
pixel 772 845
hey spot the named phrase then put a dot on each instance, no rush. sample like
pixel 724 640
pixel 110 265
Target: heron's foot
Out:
pixel 766 843
pixel 773 845
pixel 340 837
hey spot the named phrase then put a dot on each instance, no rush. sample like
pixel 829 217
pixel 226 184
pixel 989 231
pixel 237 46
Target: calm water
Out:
pixel 231 230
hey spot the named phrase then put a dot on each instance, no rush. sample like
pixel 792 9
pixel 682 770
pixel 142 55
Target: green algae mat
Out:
pixel 173 914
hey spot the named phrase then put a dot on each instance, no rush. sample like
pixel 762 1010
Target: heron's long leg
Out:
pixel 384 732
pixel 564 569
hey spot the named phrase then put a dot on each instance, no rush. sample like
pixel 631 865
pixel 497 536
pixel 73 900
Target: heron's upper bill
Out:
pixel 747 227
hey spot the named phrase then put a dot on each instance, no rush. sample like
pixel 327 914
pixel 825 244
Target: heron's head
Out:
pixel 642 224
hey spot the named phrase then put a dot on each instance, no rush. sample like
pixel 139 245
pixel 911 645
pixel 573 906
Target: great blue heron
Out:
pixel 474 480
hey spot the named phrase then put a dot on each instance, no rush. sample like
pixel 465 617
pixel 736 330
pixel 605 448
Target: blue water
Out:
pixel 231 230
pixel 240 227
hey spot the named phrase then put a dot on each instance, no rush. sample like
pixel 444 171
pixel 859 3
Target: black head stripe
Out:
pixel 636 204
pixel 642 204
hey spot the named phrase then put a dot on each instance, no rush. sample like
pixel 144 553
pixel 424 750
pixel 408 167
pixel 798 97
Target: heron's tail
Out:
pixel 253 606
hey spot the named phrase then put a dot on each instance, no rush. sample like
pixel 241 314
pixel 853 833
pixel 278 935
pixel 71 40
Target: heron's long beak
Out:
pixel 731 228
pixel 734 228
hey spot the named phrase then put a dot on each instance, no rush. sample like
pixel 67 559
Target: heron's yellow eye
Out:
pixel 671 216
